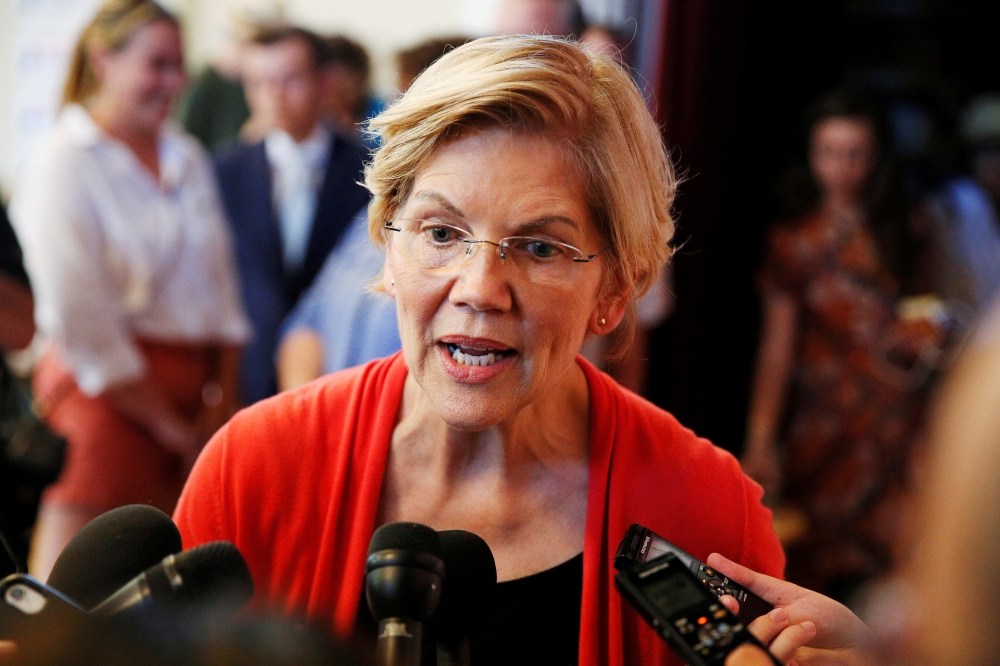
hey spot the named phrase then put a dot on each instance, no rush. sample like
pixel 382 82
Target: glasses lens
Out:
pixel 430 244
pixel 542 261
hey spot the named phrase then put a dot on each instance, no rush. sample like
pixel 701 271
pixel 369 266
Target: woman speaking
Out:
pixel 522 194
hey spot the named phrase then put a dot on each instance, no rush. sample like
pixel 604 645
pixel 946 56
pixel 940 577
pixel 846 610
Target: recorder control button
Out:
pixel 708 571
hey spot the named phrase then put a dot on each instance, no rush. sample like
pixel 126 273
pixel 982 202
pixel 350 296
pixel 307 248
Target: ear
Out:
pixel 610 311
pixel 388 280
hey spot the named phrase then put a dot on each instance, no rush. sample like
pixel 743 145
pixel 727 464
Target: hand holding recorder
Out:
pixel 840 638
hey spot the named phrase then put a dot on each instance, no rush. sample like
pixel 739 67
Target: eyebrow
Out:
pixel 549 219
pixel 427 195
pixel 440 200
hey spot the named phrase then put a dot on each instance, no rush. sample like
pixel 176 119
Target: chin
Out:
pixel 473 409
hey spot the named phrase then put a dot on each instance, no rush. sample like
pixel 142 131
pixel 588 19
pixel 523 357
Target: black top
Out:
pixel 537 621
pixel 10 252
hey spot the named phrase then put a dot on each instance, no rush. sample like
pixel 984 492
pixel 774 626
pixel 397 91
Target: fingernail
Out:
pixel 809 626
pixel 778 615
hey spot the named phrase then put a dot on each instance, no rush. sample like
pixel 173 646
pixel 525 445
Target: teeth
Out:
pixel 477 360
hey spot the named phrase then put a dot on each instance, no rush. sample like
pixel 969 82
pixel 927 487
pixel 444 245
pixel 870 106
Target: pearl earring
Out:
pixel 392 282
pixel 602 321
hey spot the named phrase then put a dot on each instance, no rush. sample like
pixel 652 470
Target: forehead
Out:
pixel 844 129
pixel 161 36
pixel 499 172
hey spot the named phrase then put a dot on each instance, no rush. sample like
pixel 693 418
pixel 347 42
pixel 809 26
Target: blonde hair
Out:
pixel 112 28
pixel 552 87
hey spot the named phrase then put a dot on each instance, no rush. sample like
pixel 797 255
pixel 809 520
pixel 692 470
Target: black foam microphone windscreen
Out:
pixel 210 574
pixel 111 550
pixel 403 579
pixel 412 537
pixel 468 600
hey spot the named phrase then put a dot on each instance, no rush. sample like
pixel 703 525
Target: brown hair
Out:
pixel 268 35
pixel 545 85
pixel 115 24
pixel 412 61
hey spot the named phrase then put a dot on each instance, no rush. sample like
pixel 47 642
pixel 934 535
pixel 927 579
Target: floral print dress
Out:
pixel 855 404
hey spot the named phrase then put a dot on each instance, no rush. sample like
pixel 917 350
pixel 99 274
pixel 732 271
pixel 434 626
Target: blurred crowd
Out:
pixel 192 247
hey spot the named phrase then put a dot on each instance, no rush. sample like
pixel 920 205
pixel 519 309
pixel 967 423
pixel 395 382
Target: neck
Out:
pixel 299 134
pixel 142 141
pixel 838 205
pixel 112 122
pixel 550 431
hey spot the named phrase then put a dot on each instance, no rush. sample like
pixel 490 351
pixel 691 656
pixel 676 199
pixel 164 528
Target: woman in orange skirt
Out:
pixel 129 256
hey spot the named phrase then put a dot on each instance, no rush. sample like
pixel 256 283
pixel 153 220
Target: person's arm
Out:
pixel 221 397
pixel 839 637
pixel 17 321
pixel 779 332
pixel 300 359
pixel 144 404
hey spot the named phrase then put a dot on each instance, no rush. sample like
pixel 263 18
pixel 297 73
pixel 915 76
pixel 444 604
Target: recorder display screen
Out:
pixel 674 593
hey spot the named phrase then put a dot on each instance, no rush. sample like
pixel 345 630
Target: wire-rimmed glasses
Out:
pixel 437 245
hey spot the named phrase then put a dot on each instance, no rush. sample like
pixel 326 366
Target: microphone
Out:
pixel 468 600
pixel 403 578
pixel 110 550
pixel 210 573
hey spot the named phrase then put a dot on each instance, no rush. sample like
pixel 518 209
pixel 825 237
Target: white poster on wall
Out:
pixel 47 31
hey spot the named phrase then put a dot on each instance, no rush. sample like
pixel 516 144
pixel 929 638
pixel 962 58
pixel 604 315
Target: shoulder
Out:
pixel 649 442
pixel 235 157
pixel 691 492
pixel 67 145
pixel 260 463
pixel 309 411
pixel 348 147
pixel 303 423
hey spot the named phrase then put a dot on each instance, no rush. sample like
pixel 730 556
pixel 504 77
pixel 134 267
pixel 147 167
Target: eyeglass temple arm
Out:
pixel 590 257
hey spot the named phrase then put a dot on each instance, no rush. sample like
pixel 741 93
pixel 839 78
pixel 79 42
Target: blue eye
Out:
pixel 442 234
pixel 539 249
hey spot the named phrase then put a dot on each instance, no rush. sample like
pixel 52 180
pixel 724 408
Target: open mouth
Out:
pixel 477 356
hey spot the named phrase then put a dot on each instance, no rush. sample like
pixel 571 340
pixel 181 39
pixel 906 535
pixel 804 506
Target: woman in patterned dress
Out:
pixel 838 394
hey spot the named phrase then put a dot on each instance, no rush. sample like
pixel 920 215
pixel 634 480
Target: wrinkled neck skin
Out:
pixel 547 434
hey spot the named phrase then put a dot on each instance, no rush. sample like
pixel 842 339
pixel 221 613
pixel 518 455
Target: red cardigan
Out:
pixel 294 482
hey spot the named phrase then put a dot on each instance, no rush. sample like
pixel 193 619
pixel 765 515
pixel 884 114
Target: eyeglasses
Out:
pixel 435 245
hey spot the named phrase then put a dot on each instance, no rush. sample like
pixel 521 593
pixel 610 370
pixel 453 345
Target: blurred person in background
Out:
pixel 340 322
pixel 839 388
pixel 214 106
pixel 18 495
pixel 560 18
pixel 289 196
pixel 414 60
pixel 966 224
pixel 345 74
pixel 130 258
pixel 631 367
pixel 17 322
pixel 932 611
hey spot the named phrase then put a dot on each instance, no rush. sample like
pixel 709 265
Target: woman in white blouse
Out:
pixel 129 256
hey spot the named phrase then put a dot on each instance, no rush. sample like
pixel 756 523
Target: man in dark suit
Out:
pixel 289 196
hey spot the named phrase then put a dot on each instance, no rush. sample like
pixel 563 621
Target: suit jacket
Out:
pixel 269 292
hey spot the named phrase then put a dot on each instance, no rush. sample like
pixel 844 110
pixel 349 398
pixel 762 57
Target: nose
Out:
pixel 482 282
